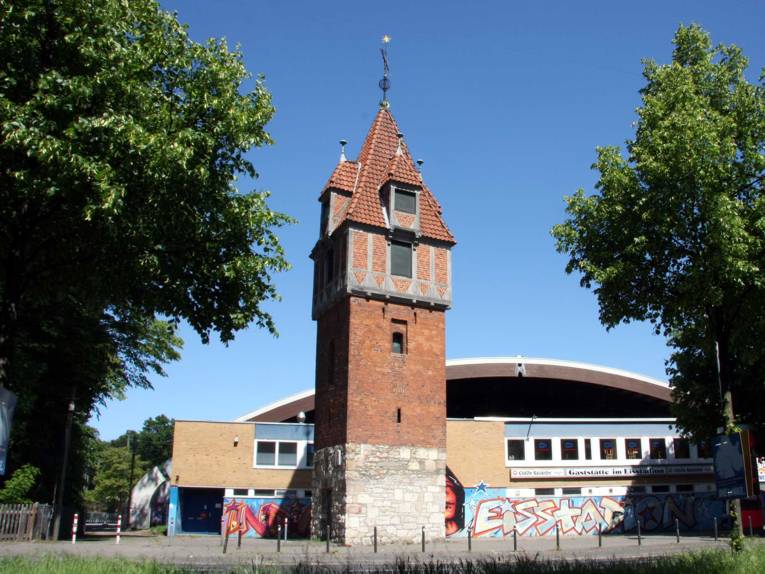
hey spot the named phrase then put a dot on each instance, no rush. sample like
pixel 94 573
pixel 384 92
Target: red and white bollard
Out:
pixel 74 528
pixel 119 527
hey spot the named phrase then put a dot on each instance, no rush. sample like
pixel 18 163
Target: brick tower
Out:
pixel 382 282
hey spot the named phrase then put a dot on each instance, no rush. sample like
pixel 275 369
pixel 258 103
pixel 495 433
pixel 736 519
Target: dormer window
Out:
pixel 405 201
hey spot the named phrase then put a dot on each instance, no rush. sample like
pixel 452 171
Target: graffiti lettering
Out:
pixel 262 517
pixel 489 513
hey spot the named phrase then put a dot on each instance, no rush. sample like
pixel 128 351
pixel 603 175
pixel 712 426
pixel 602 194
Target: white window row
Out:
pixel 283 454
pixel 613 490
pixel 617 450
pixel 267 493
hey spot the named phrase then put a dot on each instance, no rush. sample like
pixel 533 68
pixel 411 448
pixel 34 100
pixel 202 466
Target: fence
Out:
pixel 25 521
pixel 101 521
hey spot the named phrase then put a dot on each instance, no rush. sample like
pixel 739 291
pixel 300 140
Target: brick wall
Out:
pixel 331 375
pixel 381 382
pixel 204 455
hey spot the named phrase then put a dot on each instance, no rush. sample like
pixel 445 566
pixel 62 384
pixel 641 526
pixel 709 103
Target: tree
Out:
pixel 17 488
pixel 110 483
pixel 121 143
pixel 676 234
pixel 121 140
pixel 153 443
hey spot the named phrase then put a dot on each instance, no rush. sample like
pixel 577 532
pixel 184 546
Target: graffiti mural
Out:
pixel 488 512
pixel 261 517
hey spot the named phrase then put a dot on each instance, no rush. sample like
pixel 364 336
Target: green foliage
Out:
pixel 111 482
pixel 750 561
pixel 676 233
pixel 110 462
pixel 120 143
pixel 153 443
pixel 17 488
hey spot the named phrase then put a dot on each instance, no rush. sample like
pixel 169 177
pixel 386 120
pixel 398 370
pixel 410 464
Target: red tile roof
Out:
pixel 344 176
pixel 377 164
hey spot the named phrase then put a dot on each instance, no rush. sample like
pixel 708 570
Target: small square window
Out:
pixel 266 454
pixel 587 449
pixel 633 448
pixel 704 449
pixel 569 449
pixel 684 488
pixel 682 448
pixel 571 491
pixel 544 491
pixel 636 489
pixel 287 454
pixel 660 488
pixel 515 450
pixel 658 448
pixel 406 201
pixel 401 258
pixel 397 344
pixel 241 492
pixel 607 449
pixel 542 449
pixel 264 492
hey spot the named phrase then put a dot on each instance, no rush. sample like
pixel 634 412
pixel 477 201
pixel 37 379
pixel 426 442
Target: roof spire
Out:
pixel 384 83
pixel 342 150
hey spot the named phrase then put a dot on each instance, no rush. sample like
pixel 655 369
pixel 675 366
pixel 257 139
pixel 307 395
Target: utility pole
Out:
pixel 59 502
pixel 131 446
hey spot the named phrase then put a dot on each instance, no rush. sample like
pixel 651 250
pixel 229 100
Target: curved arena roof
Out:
pixel 474 370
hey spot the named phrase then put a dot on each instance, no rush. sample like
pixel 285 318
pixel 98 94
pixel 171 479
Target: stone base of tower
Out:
pixel 397 489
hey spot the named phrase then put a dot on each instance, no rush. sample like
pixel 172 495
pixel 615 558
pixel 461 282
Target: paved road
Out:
pixel 206 551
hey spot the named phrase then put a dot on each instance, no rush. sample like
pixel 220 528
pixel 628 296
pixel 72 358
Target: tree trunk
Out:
pixel 722 349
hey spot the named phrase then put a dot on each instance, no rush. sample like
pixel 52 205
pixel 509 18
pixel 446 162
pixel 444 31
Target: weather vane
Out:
pixel 385 82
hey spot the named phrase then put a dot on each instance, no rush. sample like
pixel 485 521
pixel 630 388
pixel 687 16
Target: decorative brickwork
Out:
pixel 423 262
pixel 442 266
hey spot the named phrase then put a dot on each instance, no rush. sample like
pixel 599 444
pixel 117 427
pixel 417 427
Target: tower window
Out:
pixel 324 217
pixel 398 415
pixel 397 344
pixel 329 266
pixel 401 258
pixel 405 201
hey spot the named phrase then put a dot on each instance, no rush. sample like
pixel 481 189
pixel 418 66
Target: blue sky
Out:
pixel 505 102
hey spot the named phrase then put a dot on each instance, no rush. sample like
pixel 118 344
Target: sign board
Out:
pixel 734 468
pixel 7 406
pixel 612 471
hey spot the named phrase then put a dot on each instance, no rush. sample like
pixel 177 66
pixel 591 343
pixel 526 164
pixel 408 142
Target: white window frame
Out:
pixel 302 452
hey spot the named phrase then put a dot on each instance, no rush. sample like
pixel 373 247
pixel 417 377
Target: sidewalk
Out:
pixel 208 550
